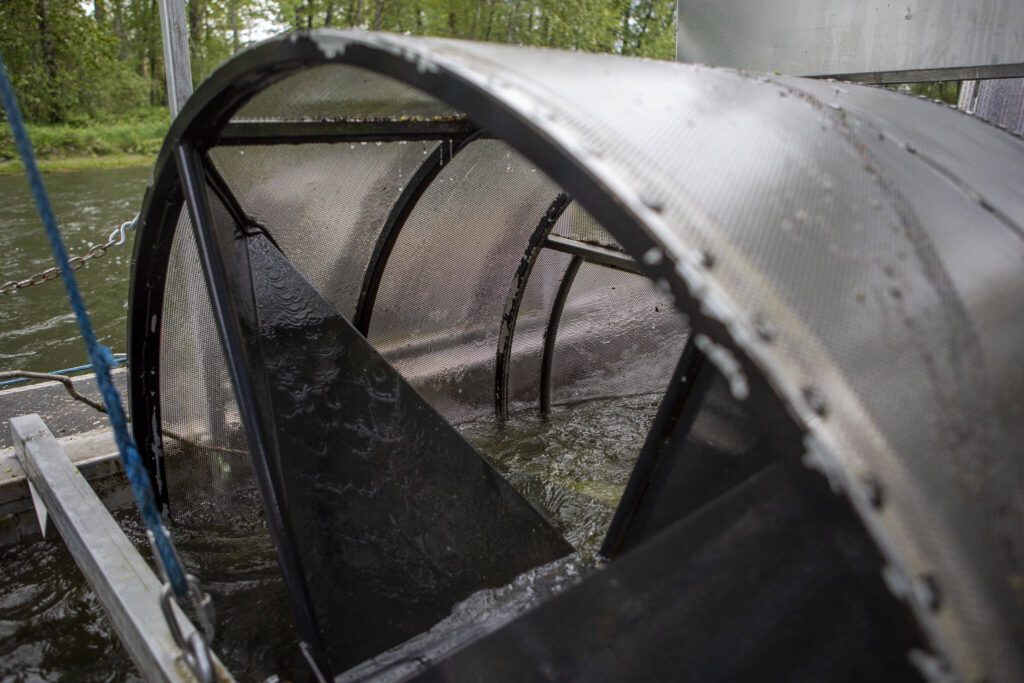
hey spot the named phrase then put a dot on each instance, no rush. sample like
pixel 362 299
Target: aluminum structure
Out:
pixel 825 281
pixel 868 41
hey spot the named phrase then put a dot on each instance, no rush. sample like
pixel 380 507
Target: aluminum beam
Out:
pixel 125 585
pixel 871 42
pixel 176 60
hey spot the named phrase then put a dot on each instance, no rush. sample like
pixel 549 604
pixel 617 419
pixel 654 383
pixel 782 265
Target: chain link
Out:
pixel 116 239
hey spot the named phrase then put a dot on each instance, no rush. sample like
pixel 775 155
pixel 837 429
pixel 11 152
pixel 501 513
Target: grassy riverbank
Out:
pixel 124 144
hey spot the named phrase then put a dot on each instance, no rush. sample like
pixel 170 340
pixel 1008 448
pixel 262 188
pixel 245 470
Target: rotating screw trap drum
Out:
pixel 355 243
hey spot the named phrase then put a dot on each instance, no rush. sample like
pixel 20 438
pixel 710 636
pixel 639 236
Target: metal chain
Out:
pixel 116 239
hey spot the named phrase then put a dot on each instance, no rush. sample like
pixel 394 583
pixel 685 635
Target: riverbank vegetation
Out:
pixel 89 73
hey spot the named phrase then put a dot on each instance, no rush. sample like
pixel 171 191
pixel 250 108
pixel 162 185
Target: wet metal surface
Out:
pixel 395 517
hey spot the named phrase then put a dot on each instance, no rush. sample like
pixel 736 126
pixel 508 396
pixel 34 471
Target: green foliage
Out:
pixel 631 27
pixel 143 136
pixel 946 91
pixel 65 68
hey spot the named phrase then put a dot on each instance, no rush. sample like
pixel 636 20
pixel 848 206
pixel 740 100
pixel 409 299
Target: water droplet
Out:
pixel 652 203
pixel 764 327
pixel 653 256
pixel 873 491
pixel 927 589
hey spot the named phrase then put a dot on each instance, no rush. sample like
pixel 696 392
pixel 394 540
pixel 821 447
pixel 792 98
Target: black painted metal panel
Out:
pixel 396 517
pixel 801 600
pixel 703 443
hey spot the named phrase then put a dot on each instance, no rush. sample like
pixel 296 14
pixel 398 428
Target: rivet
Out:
pixel 653 256
pixel 764 327
pixel 815 401
pixel 873 489
pixel 652 203
pixel 928 590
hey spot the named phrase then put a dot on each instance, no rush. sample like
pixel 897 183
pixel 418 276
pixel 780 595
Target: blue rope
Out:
pixel 100 356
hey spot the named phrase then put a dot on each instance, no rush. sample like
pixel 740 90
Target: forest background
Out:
pixel 89 73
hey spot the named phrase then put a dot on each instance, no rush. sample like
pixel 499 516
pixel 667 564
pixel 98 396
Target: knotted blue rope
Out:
pixel 99 355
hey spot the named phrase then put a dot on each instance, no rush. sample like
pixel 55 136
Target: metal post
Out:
pixel 176 59
pixel 125 585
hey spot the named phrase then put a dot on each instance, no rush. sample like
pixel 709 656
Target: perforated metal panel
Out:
pixel 438 312
pixel 209 471
pixel 326 228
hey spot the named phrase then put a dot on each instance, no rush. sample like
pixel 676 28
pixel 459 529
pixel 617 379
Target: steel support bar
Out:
pixel 551 334
pixel 592 254
pixel 503 357
pixel 369 130
pixel 176 62
pixel 400 212
pixel 215 249
pixel 125 585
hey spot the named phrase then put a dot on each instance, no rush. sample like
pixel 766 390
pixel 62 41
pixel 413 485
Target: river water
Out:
pixel 37 330
pixel 572 465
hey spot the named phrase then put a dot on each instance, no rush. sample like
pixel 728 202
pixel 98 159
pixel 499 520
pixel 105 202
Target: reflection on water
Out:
pixel 572 465
pixel 37 330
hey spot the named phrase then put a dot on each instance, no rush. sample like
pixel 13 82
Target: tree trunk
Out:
pixel 99 11
pixel 643 27
pixel 233 21
pixel 49 61
pixel 378 15
pixel 329 14
pixel 122 39
pixel 512 16
pixel 154 46
pixel 626 16
pixel 195 35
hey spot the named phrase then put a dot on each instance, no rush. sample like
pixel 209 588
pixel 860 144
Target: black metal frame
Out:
pixel 592 253
pixel 503 356
pixel 551 333
pixel 363 130
pixel 399 214
pixel 664 425
pixel 234 315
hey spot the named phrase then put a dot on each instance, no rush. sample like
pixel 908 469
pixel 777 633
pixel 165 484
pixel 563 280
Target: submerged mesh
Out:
pixel 438 311
pixel 208 468
pixel 324 204
pixel 336 92
pixel 619 336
